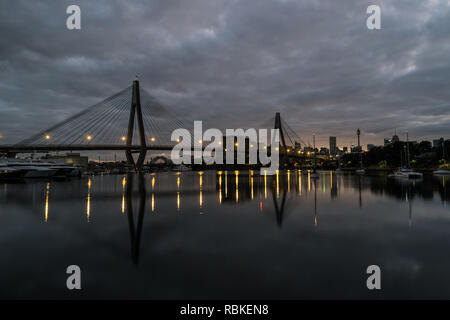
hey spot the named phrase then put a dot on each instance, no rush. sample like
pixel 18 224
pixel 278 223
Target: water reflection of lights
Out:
pixel 200 182
pixel 220 186
pixel 278 184
pixel 309 180
pixel 323 182
pixel 265 184
pixel 124 183
pixel 299 182
pixel 153 202
pixel 226 184
pixel 88 204
pixel 289 180
pixel 251 186
pixel 236 173
pixel 47 192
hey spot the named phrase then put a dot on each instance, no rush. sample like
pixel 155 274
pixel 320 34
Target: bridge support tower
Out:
pixel 136 112
pixel 283 148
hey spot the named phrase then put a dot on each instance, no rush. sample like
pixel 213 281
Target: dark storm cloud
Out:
pixel 233 63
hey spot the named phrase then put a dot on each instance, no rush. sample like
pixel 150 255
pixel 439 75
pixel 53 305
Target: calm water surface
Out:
pixel 225 235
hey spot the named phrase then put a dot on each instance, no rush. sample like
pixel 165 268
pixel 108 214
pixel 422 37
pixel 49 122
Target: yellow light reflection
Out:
pixel 265 184
pixel 88 204
pixel 309 181
pixel 153 202
pixel 278 185
pixel 153 183
pixel 289 180
pixel 178 182
pixel 251 184
pixel 226 184
pixel 47 192
pixel 200 182
pixel 178 200
pixel 220 186
pixel 124 183
pixel 237 185
pixel 299 183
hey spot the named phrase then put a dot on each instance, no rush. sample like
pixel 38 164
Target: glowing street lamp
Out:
pixel 123 138
pixel 47 137
pixel 152 139
pixel 89 138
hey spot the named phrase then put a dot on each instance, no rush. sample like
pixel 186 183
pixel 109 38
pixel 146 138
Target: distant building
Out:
pixel 324 151
pixel 437 142
pixel 394 139
pixel 72 159
pixel 333 146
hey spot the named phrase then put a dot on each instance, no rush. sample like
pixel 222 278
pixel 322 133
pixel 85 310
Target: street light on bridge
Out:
pixel 123 138
pixel 47 137
pixel 89 138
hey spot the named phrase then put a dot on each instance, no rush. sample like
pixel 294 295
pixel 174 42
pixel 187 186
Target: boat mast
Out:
pixel 314 146
pixel 407 151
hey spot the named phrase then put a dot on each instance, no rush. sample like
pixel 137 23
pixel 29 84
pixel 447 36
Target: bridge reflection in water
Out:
pixel 276 197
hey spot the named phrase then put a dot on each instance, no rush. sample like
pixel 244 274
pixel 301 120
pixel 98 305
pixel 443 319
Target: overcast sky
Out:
pixel 234 63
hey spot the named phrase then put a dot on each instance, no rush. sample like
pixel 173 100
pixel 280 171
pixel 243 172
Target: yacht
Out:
pixel 38 169
pixel 441 172
pixel 406 173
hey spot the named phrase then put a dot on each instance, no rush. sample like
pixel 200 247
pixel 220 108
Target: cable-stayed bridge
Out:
pixel 131 120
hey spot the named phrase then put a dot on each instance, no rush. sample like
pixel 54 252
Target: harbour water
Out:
pixel 226 235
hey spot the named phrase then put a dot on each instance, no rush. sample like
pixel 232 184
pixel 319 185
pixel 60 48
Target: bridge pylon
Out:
pixel 136 112
pixel 283 141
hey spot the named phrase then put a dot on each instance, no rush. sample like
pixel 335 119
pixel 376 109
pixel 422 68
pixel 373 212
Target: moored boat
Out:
pixel 441 172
